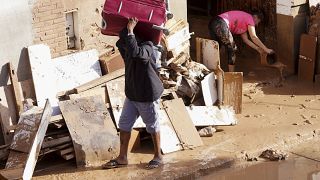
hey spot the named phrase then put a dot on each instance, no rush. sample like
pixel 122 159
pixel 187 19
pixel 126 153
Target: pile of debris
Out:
pixel 314 27
pixel 78 109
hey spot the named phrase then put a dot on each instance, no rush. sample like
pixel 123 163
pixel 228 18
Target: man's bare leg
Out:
pixel 124 141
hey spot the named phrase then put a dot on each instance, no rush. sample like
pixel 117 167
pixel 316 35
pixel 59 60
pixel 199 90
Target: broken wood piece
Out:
pixel 232 90
pixel 56 118
pixel 68 156
pixel 56 142
pixel 134 142
pixel 35 128
pixel 16 89
pixel 209 89
pixel 98 140
pixel 111 63
pixel 208 53
pixel 66 151
pixel 212 115
pixel 54 149
pixel 102 80
pixel 182 124
pixel 11 174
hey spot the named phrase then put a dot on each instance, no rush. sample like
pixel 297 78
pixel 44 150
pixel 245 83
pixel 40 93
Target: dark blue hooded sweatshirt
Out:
pixel 142 83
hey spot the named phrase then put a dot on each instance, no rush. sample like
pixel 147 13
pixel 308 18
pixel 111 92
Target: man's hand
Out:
pixel 132 24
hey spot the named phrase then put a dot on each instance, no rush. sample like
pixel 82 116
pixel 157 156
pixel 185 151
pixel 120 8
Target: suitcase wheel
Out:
pixel 103 24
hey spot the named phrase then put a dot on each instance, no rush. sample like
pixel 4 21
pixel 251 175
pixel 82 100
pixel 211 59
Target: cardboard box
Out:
pixel 110 63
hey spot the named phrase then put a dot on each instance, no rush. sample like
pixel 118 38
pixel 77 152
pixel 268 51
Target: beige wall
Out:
pixel 178 8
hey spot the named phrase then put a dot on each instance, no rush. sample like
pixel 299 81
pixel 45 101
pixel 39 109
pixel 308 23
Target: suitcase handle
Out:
pixel 120 7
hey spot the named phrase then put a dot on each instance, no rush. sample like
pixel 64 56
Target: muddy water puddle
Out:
pixel 296 168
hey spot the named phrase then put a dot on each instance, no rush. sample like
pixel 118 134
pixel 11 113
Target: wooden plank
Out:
pixel 54 149
pixel 307 57
pixel 42 74
pixel 211 116
pixel 16 88
pixel 232 90
pixel 198 50
pixel 182 124
pixel 7 113
pixel 210 53
pixel 68 156
pixel 65 151
pixel 102 80
pixel 134 142
pixel 56 142
pixel 209 89
pixel 11 174
pixel 27 161
pixel 98 140
pixel 55 118
pixel 26 130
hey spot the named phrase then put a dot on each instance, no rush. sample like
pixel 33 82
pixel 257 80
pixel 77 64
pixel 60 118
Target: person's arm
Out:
pixel 144 51
pixel 246 40
pixel 256 40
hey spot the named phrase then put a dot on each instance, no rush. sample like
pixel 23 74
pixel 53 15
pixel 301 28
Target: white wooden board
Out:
pixel 178 38
pixel 209 89
pixel 210 53
pixel 43 75
pixel 212 116
pixel 76 69
pixel 51 76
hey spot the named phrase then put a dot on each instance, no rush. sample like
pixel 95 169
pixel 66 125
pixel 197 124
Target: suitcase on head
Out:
pixel 149 12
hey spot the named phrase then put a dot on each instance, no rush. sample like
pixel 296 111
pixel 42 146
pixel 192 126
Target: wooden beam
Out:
pixel 56 142
pixel 66 151
pixel 69 156
pixel 16 89
pixel 102 80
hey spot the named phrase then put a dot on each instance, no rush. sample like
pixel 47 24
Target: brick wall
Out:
pixel 49 25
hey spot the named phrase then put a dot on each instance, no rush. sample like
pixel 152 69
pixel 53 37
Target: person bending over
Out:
pixel 224 26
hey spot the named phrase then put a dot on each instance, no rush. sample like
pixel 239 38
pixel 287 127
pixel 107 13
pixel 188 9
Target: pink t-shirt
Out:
pixel 238 21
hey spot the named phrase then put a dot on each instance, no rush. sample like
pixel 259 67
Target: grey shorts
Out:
pixel 149 112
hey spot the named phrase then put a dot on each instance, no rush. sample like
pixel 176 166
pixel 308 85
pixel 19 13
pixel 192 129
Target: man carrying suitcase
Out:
pixel 143 90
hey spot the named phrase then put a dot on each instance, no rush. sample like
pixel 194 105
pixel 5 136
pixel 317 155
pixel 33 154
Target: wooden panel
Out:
pixel 208 53
pixel 19 156
pixel 182 123
pixel 51 76
pixel 102 80
pixel 212 116
pixel 289 30
pixel 98 140
pixel 318 57
pixel 42 74
pixel 232 90
pixel 16 88
pixel 307 57
pixel 209 89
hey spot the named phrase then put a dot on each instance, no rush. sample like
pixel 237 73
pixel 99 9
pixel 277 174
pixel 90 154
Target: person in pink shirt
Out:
pixel 224 26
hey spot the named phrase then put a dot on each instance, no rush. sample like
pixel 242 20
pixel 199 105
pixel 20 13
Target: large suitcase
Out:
pixel 149 12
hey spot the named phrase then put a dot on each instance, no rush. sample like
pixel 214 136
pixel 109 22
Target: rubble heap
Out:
pixel 314 27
